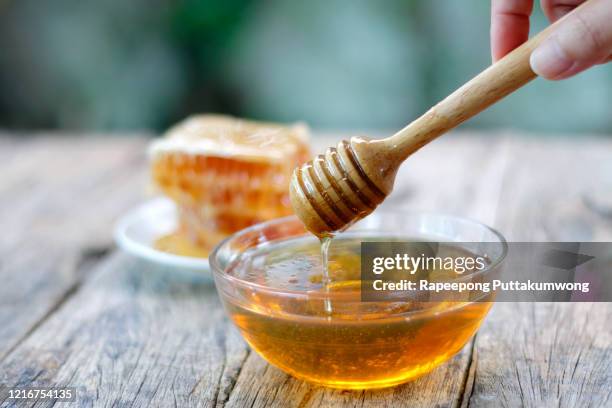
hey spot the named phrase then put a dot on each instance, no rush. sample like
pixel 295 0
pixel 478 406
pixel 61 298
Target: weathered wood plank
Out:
pixel 134 334
pixel 545 354
pixel 73 347
pixel 137 334
pixel 458 175
pixel 58 198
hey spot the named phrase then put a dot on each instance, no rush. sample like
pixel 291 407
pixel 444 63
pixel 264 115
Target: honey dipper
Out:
pixel 348 182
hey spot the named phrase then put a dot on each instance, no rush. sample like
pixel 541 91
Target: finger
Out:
pixel 555 9
pixel 583 39
pixel 509 25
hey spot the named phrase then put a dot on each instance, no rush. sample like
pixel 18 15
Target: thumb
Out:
pixel 583 39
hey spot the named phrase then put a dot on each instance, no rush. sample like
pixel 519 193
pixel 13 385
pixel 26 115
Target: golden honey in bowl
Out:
pixel 326 334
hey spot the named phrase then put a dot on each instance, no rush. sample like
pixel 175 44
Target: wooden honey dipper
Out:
pixel 348 182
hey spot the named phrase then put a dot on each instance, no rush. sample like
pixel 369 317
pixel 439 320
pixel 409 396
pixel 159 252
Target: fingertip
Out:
pixel 580 41
pixel 509 25
pixel 549 61
pixel 507 33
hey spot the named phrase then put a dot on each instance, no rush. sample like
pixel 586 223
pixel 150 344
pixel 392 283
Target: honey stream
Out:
pixel 326 279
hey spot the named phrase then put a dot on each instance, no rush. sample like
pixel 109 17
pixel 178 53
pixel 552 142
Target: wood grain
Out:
pixel 74 312
pixel 58 197
pixel 134 334
pixel 549 354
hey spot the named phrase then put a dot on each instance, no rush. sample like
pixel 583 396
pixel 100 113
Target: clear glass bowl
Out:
pixel 358 345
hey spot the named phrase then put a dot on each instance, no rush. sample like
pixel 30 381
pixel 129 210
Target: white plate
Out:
pixel 136 232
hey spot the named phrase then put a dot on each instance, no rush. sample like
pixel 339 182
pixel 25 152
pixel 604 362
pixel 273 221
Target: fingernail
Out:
pixel 549 60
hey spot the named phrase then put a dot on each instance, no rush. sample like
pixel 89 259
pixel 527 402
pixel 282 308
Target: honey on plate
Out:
pixel 326 334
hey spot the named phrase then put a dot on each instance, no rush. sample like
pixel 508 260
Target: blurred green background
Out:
pixel 336 64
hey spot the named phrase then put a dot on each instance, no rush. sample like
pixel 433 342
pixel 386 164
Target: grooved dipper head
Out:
pixel 334 190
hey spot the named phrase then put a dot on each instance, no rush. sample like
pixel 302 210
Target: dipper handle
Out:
pixel 346 184
pixel 494 83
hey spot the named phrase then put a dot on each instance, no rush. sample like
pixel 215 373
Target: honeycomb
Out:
pixel 225 174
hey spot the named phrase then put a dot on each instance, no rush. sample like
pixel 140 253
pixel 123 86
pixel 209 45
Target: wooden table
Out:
pixel 76 311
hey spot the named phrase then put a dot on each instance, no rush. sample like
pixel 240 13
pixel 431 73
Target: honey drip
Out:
pixel 326 278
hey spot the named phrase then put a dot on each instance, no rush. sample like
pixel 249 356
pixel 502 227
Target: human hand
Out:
pixel 582 40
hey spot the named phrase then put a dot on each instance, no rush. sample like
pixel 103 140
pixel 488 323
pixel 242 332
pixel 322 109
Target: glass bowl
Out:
pixel 329 336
